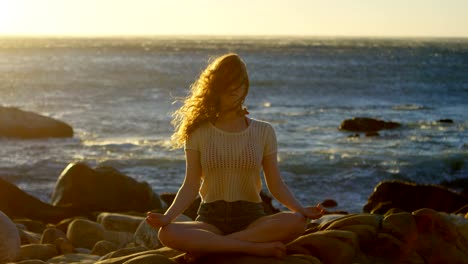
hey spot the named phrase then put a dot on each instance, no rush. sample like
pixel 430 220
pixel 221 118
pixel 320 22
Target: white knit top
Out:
pixel 232 161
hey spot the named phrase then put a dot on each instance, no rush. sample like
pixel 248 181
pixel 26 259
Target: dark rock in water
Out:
pixel 191 211
pixel 329 203
pixel 16 203
pixel 16 123
pixel 460 184
pixel 410 197
pixel 447 121
pixel 372 134
pixel 364 124
pixel 103 189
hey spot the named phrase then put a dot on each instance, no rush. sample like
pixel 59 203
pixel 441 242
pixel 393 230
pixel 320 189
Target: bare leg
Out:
pixel 200 238
pixel 283 226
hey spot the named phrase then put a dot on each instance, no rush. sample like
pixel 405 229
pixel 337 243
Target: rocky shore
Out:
pixel 394 226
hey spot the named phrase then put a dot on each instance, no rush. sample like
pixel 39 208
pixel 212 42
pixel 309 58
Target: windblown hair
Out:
pixel 202 103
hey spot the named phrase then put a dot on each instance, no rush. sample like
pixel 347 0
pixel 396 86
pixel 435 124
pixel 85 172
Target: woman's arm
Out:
pixel 281 191
pixel 189 189
pixel 186 194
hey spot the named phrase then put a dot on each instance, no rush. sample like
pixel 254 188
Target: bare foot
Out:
pixel 271 249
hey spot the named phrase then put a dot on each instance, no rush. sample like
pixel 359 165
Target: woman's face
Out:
pixel 233 95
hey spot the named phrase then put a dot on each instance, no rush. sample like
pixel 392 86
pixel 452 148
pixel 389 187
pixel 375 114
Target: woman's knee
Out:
pixel 295 222
pixel 167 234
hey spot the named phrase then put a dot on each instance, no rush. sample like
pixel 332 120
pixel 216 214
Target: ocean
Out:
pixel 118 95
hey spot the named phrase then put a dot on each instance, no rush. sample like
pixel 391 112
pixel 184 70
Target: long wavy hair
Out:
pixel 202 103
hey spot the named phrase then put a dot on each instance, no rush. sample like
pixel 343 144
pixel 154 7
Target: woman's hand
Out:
pixel 313 212
pixel 157 220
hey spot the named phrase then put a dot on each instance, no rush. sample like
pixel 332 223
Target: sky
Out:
pixel 378 18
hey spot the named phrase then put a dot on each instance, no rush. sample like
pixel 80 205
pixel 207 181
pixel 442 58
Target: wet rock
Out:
pixel 16 203
pixel 102 189
pixel 411 197
pixel 364 124
pixel 21 124
pixel 445 120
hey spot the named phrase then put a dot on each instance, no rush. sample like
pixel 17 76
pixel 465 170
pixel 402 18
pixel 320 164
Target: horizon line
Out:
pixel 296 36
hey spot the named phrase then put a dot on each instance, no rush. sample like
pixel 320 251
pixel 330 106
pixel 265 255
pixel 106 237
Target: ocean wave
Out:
pixel 410 107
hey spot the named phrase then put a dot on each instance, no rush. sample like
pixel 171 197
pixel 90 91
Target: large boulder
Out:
pixel 364 124
pixel 9 239
pixel 17 123
pixel 16 203
pixel 102 189
pixel 411 197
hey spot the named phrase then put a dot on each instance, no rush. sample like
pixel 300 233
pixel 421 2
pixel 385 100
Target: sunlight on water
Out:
pixel 118 96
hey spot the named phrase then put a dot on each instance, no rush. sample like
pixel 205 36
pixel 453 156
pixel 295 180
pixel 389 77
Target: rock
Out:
pixel 64 246
pixel 411 197
pixel 150 259
pixel 367 235
pixel 51 234
pixel 17 123
pixel 103 189
pixel 37 251
pixel 147 236
pixel 121 239
pixel 120 222
pixel 168 252
pixel 74 258
pixel 122 255
pixel 437 238
pixel 84 233
pixel 103 247
pixel 16 203
pixel 354 219
pixel 29 237
pixel 364 124
pixel 402 226
pixel 372 134
pixel 31 261
pixel 329 203
pixel 124 252
pixel 9 239
pixel 445 120
pixel 246 259
pixel 31 225
pixel 82 251
pixel 331 246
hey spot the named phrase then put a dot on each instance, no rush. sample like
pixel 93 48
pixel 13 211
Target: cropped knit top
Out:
pixel 232 161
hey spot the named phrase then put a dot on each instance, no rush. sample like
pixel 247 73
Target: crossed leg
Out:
pixel 264 237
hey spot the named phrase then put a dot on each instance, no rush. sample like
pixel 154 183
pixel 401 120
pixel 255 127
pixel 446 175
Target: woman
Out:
pixel 225 153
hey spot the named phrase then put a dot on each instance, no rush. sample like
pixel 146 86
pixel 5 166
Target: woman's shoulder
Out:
pixel 201 127
pixel 261 124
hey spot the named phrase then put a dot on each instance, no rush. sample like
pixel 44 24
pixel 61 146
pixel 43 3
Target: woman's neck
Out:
pixel 230 116
pixel 232 122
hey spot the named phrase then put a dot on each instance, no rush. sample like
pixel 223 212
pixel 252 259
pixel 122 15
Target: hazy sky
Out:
pixel 442 18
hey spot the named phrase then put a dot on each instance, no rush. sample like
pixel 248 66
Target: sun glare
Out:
pixel 16 17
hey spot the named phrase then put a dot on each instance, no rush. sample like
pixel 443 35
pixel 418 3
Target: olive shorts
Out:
pixel 230 217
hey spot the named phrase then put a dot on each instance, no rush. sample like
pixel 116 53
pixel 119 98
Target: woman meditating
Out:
pixel 225 153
